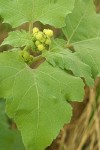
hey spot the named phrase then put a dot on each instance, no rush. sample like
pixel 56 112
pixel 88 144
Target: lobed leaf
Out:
pixel 37 98
pixel 48 12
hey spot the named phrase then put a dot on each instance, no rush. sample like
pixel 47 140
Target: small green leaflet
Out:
pixel 10 138
pixel 83 32
pixel 18 39
pixel 47 11
pixel 37 98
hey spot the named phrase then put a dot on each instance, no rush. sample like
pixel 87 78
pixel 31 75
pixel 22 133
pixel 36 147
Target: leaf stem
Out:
pixel 30 27
pixel 37 58
pixel 27 47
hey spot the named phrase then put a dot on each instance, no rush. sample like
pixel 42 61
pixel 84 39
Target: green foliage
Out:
pixel 18 39
pixel 42 39
pixel 38 94
pixel 10 138
pixel 29 93
pixel 51 12
pixel 83 32
pixel 85 27
pixel 59 56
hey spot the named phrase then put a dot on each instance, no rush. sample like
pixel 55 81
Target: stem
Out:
pixel 27 48
pixel 37 61
pixel 37 58
pixel 30 27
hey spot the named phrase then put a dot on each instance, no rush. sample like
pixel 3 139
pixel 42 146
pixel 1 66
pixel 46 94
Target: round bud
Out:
pixel 37 43
pixel 43 40
pixel 35 30
pixel 48 32
pixel 45 30
pixel 41 47
pixel 48 42
pixel 26 55
pixel 39 36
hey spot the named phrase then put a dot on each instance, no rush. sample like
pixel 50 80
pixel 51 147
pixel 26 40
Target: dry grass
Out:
pixel 84 133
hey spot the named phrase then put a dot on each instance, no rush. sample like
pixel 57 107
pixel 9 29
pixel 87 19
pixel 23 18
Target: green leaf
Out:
pixel 10 138
pixel 18 39
pixel 37 98
pixel 19 12
pixel 84 25
pixel 69 61
pixel 90 56
pixel 65 59
pixel 83 32
pixel 3 117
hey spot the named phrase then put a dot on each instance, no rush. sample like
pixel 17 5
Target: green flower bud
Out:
pixel 37 43
pixel 48 32
pixel 41 47
pixel 35 30
pixel 39 36
pixel 48 42
pixel 26 55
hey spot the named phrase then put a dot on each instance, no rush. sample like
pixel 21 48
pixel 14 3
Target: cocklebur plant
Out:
pixel 41 41
pixel 40 74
